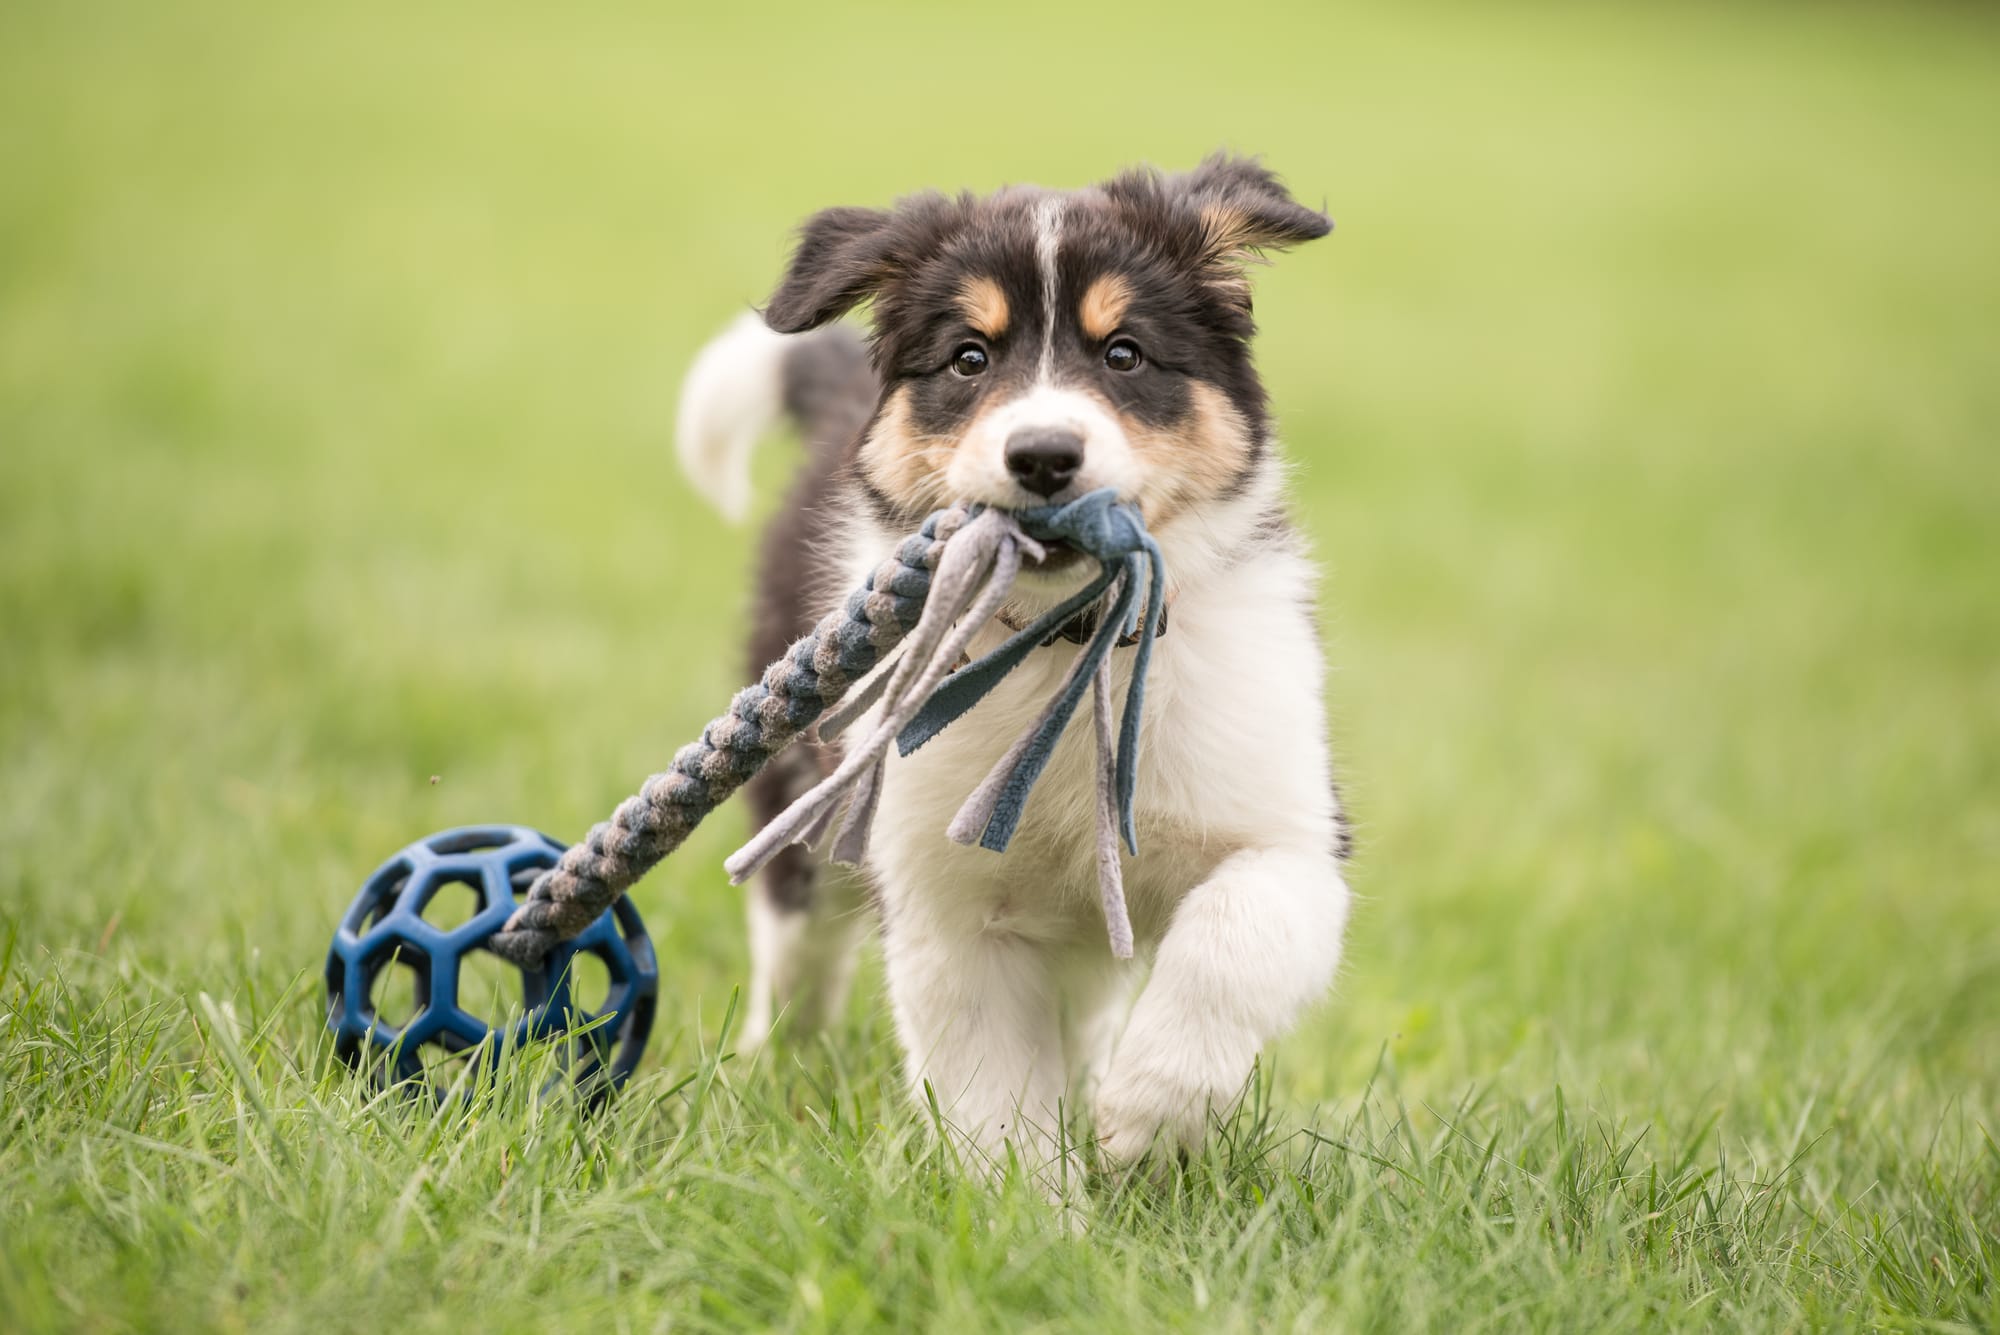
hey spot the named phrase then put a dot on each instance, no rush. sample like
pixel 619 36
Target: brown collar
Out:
pixel 1079 628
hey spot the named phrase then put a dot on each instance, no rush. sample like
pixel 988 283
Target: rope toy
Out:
pixel 943 584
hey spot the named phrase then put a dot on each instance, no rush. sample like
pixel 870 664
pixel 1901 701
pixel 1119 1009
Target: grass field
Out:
pixel 1645 407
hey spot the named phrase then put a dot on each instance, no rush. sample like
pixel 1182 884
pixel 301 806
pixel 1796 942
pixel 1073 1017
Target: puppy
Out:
pixel 1029 347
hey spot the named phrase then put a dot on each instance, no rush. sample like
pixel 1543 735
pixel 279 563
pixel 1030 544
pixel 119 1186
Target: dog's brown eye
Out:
pixel 1123 355
pixel 969 360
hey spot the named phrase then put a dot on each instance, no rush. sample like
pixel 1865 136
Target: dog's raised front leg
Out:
pixel 1248 950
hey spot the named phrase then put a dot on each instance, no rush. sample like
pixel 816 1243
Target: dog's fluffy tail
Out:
pixel 741 382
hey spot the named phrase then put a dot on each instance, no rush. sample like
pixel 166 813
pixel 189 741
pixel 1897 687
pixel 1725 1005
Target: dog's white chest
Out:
pixel 1233 691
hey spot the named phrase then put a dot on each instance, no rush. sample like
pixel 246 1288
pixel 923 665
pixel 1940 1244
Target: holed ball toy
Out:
pixel 406 934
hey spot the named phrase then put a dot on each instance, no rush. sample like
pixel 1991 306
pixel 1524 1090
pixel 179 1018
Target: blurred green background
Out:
pixel 1644 410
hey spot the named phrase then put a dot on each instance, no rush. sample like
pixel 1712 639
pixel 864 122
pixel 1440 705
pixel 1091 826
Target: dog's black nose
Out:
pixel 1044 459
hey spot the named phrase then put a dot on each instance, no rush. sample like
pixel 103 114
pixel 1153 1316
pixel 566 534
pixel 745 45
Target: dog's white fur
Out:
pixel 1009 1005
pixel 732 395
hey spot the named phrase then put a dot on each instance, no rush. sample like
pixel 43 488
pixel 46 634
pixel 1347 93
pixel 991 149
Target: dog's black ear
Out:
pixel 847 256
pixel 1246 210
pixel 843 256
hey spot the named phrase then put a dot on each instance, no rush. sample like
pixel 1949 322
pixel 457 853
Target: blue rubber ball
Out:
pixel 414 996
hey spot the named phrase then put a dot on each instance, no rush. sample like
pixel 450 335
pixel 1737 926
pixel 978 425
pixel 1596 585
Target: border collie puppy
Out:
pixel 1029 347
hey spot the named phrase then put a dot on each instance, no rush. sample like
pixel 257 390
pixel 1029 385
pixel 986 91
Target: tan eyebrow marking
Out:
pixel 984 305
pixel 1104 305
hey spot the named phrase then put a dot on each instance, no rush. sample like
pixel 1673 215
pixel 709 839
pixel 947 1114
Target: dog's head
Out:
pixel 1035 345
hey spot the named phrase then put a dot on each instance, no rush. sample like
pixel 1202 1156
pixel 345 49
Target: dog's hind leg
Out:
pixel 802 959
pixel 807 920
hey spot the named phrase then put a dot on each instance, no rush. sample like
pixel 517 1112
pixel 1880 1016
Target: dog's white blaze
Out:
pixel 1048 237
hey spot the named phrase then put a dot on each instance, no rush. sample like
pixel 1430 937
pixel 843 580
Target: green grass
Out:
pixel 1645 409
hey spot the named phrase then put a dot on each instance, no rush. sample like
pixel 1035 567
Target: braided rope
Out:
pixel 762 720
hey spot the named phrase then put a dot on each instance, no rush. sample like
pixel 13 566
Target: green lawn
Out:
pixel 1646 411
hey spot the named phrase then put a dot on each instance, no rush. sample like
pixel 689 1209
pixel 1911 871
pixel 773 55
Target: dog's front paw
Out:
pixel 1161 1088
